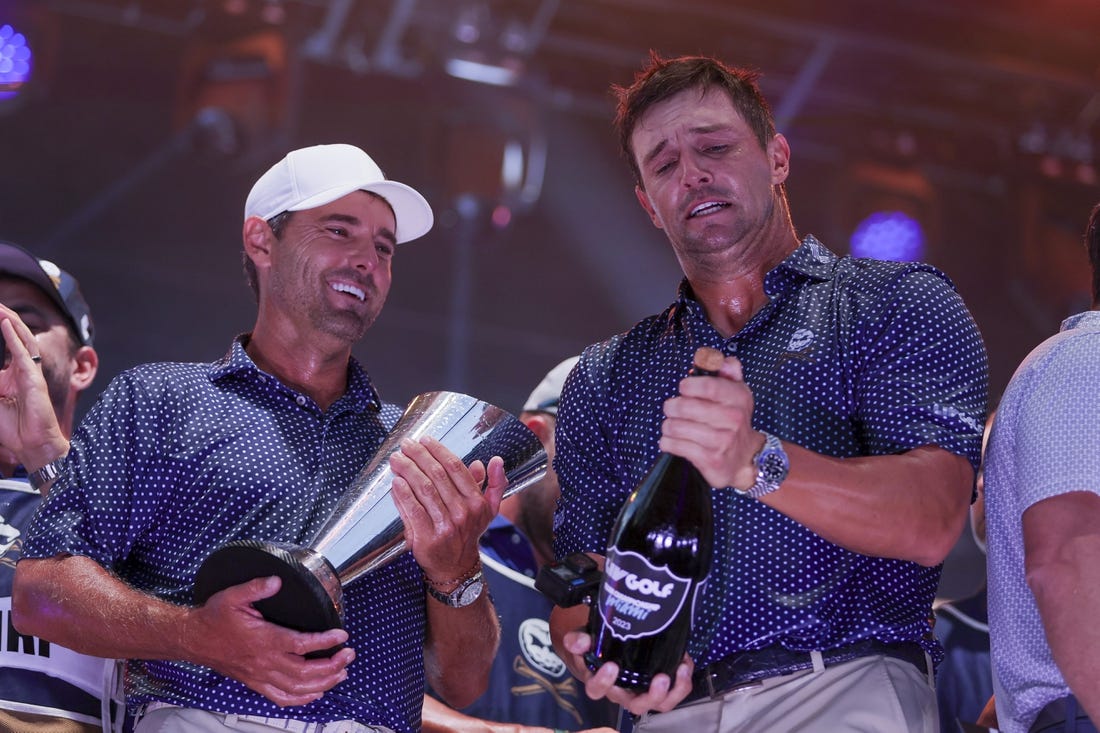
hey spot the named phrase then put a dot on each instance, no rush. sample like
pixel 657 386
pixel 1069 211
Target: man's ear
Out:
pixel 258 238
pixel 541 425
pixel 779 152
pixel 85 365
pixel 643 199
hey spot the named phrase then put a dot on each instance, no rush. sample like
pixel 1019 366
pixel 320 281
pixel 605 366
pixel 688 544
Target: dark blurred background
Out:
pixel 127 153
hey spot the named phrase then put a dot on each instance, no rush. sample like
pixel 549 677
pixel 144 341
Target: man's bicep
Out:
pixel 1062 530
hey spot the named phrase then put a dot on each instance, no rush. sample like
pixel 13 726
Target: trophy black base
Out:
pixel 305 601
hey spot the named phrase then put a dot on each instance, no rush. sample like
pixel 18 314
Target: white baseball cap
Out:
pixel 546 395
pixel 318 175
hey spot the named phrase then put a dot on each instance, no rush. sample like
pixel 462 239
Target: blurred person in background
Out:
pixel 49 360
pixel 1042 506
pixel 530 688
pixel 964 679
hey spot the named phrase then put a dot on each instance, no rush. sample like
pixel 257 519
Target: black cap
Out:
pixel 61 287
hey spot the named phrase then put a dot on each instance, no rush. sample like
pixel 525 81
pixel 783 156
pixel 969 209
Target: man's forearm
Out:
pixel 75 602
pixel 855 502
pixel 462 643
pixel 438 718
pixel 1062 550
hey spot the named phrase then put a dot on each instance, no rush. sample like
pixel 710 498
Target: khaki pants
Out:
pixel 873 694
pixel 14 722
pixel 172 719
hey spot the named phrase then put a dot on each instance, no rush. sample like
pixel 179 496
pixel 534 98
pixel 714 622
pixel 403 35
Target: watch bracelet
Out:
pixel 449 599
pixel 47 473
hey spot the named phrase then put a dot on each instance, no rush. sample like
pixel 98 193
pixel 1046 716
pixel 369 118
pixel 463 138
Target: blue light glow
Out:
pixel 15 61
pixel 888 235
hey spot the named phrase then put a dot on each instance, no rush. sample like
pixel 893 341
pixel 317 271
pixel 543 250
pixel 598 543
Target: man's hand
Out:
pixel 230 636
pixel 571 642
pixel 28 425
pixel 710 424
pixel 664 693
pixel 442 505
pixel 441 502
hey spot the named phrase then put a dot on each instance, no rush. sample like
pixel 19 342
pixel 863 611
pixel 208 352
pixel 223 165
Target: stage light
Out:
pixel 242 80
pixel 499 74
pixel 888 211
pixel 16 62
pixel 492 148
pixel 889 235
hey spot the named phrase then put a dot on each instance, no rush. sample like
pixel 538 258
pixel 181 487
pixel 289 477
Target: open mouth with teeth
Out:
pixel 708 207
pixel 350 290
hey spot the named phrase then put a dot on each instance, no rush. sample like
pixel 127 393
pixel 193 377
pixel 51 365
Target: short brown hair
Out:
pixel 664 78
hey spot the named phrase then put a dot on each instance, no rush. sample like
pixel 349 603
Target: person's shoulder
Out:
pixel 615 358
pixel 1069 354
pixel 167 371
pixel 880 276
pixel 160 378
pixel 881 292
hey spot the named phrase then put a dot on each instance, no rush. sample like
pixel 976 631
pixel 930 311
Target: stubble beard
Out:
pixel 57 386
pixel 340 323
pixel 720 243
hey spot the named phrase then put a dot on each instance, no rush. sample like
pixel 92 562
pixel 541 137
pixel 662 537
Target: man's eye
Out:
pixel 385 249
pixel 664 167
pixel 338 231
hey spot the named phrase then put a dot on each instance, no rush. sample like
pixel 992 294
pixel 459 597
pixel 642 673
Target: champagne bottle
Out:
pixel 658 558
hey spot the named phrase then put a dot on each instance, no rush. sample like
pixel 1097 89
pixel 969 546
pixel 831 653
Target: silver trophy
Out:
pixel 365 531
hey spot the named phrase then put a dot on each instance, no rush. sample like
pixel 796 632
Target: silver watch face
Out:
pixel 469 593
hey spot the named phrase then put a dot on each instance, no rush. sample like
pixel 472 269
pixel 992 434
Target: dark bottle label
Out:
pixel 637 598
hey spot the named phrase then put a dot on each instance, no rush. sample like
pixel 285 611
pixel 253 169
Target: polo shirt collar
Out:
pixel 360 395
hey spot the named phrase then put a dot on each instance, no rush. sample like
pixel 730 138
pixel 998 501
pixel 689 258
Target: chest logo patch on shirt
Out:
pixel 801 339
pixel 799 347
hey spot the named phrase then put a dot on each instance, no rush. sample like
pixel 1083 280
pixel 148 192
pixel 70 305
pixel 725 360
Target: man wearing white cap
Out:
pixel 175 460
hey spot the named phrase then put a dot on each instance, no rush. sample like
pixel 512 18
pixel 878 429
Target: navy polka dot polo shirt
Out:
pixel 174 460
pixel 850 357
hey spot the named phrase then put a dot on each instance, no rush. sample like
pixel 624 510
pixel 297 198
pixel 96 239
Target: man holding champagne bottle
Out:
pixel 840 436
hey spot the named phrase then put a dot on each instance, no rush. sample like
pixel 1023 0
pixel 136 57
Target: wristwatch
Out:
pixel 466 593
pixel 772 466
pixel 42 476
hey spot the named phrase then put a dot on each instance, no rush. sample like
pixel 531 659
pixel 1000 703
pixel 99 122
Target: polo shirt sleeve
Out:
pixel 592 489
pixel 922 370
pixel 1057 420
pixel 92 510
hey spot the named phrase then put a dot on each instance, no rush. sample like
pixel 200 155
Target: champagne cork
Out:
pixel 708 359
